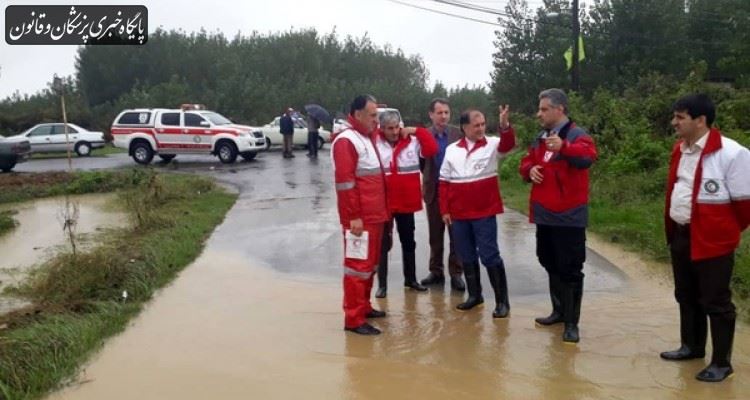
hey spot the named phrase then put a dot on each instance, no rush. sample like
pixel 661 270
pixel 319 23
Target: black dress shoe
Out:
pixel 554 318
pixel 433 279
pixel 683 353
pixel 570 334
pixel 470 303
pixel 457 283
pixel 415 286
pixel 381 292
pixel 715 373
pixel 364 329
pixel 375 314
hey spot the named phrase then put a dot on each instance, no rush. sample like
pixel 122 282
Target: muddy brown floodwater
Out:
pixel 39 234
pixel 228 331
pixel 258 316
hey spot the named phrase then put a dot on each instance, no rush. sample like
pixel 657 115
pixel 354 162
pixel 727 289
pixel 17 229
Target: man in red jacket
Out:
pixel 400 150
pixel 707 208
pixel 360 191
pixel 470 201
pixel 557 166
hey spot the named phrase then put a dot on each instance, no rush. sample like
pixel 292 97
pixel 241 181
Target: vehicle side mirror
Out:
pixel 205 123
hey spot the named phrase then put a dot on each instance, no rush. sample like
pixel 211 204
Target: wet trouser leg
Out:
pixel 405 227
pixel 485 232
pixel 358 278
pixel 312 143
pixel 385 248
pixel 287 144
pixel 466 247
pixel 437 237
pixel 562 251
pixel 693 319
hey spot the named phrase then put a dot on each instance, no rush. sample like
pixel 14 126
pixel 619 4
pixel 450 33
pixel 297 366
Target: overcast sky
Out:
pixel 457 52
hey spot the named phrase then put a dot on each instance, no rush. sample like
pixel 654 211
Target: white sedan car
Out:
pixel 50 138
pixel 274 138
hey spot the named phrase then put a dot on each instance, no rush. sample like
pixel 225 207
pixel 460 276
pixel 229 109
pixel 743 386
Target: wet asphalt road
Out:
pixel 286 219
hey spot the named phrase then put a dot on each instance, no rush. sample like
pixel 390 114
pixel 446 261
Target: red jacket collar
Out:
pixel 463 143
pixel 357 126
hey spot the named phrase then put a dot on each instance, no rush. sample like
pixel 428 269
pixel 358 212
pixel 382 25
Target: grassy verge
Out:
pixel 21 187
pixel 628 210
pixel 100 152
pixel 78 299
pixel 6 222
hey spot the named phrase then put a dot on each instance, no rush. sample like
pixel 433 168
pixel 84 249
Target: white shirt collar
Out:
pixel 697 146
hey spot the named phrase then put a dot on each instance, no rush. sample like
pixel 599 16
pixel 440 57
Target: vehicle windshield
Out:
pixel 216 118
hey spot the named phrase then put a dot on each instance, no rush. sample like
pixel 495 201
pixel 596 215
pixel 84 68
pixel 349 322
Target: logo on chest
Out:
pixel 711 186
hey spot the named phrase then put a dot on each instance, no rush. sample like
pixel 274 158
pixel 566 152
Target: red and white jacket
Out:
pixel 721 197
pixel 359 177
pixel 469 187
pixel 401 163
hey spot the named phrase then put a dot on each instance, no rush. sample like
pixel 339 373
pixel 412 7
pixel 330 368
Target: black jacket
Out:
pixel 286 125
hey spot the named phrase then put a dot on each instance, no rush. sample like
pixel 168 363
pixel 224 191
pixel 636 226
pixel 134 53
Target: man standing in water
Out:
pixel 444 134
pixel 557 166
pixel 360 192
pixel 707 208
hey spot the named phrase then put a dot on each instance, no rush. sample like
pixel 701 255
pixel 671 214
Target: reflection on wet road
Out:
pixel 258 315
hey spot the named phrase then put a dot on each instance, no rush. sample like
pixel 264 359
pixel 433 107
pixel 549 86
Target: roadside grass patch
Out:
pixel 7 222
pixel 78 300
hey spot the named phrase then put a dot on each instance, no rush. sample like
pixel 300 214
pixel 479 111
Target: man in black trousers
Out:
pixel 707 208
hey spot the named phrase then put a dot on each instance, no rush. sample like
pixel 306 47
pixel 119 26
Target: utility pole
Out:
pixel 59 86
pixel 575 76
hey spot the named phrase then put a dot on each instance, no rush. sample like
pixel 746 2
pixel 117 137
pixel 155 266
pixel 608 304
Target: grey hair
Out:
pixel 389 117
pixel 556 97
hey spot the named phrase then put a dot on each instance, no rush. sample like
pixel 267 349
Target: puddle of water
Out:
pixel 39 234
pixel 225 329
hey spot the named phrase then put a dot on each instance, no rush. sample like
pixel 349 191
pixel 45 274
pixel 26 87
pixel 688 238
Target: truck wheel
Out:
pixel 167 157
pixel 321 142
pixel 268 144
pixel 142 152
pixel 83 149
pixel 249 155
pixel 227 152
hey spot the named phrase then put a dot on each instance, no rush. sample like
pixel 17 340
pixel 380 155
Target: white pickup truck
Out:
pixel 189 130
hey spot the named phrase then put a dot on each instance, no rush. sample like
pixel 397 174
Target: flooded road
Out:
pixel 258 315
pixel 39 234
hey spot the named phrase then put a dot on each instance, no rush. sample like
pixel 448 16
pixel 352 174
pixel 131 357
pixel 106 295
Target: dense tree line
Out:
pixel 624 41
pixel 250 79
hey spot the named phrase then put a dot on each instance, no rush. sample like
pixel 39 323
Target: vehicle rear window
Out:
pixel 135 118
pixel 172 119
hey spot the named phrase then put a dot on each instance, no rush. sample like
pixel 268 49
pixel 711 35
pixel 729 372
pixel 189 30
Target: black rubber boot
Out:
pixel 499 282
pixel 722 336
pixel 473 286
pixel 572 295
pixel 555 294
pixel 410 271
pixel 693 331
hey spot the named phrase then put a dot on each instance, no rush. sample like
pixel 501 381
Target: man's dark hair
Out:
pixel 696 105
pixel 360 102
pixel 437 100
pixel 465 117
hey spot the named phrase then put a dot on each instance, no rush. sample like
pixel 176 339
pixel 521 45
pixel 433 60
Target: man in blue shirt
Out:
pixel 440 114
